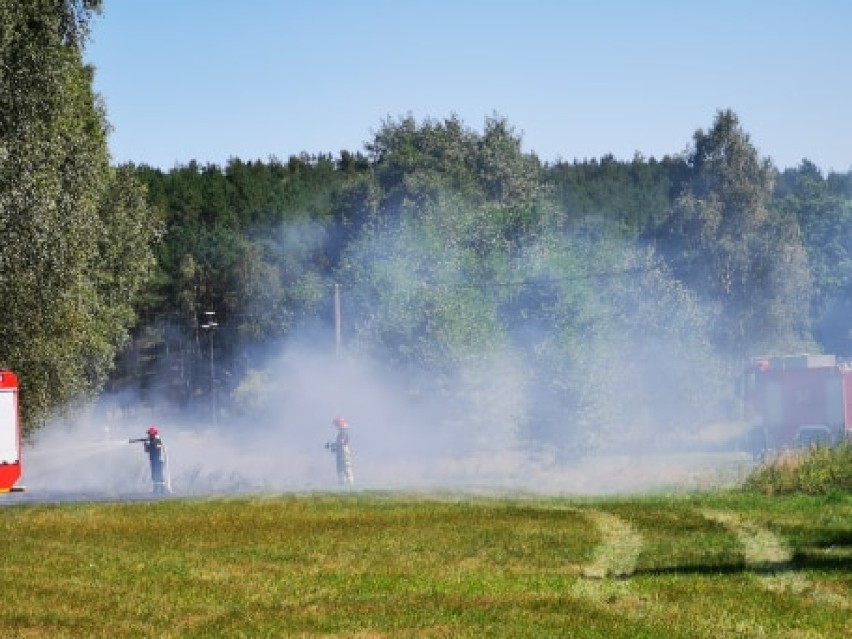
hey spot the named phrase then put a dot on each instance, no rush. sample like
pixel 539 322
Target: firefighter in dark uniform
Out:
pixel 342 451
pixel 155 449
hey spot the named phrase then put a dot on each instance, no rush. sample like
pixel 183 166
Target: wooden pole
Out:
pixel 337 319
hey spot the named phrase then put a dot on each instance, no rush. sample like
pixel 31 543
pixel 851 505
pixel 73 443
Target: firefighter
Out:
pixel 342 451
pixel 156 451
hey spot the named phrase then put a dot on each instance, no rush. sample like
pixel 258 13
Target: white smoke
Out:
pixel 399 443
pixel 269 435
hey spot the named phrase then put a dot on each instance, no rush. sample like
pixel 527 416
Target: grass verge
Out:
pixel 818 470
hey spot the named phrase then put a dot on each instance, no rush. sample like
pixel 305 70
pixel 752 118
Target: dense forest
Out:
pixel 561 300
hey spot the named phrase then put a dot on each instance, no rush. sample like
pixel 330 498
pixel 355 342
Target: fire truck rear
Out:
pixel 797 401
pixel 10 434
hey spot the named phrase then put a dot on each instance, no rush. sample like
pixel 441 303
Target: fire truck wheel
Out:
pixel 815 436
pixel 758 444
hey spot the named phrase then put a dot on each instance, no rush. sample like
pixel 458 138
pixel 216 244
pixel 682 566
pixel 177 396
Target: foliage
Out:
pixel 633 195
pixel 449 278
pixel 619 348
pixel 76 233
pixel 819 470
pixel 414 162
pixel 731 247
pixel 823 209
pixel 252 243
pixel 422 279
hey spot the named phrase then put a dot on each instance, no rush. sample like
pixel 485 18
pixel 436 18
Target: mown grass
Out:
pixel 396 565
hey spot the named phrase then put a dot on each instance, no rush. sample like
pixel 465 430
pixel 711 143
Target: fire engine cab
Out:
pixel 10 434
pixel 796 401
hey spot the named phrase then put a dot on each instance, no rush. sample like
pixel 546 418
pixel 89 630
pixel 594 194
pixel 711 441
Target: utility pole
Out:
pixel 209 326
pixel 337 319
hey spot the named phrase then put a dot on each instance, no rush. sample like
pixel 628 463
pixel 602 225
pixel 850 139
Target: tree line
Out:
pixel 601 291
pixel 610 283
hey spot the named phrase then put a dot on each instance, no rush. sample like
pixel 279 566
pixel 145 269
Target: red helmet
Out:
pixel 340 422
pixel 153 431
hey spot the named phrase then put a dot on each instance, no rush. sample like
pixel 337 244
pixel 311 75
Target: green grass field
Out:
pixel 438 565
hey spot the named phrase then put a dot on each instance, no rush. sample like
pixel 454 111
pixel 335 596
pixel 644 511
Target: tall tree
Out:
pixel 75 233
pixel 734 249
pixel 824 213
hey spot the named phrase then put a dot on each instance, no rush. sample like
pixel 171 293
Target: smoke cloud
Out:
pixel 636 389
pixel 397 445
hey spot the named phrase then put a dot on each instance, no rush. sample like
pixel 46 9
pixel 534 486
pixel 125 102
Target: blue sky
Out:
pixel 214 79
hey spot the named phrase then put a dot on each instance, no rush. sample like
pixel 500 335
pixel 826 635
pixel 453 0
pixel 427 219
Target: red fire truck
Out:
pixel 797 400
pixel 10 434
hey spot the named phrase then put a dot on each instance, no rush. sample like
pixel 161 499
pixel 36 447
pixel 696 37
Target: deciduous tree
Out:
pixel 734 249
pixel 75 233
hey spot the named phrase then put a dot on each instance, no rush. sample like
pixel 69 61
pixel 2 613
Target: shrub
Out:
pixel 818 470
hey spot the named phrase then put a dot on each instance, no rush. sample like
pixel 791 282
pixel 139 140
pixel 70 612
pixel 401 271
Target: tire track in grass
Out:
pixel 603 578
pixel 765 553
pixel 617 554
pixel 770 558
